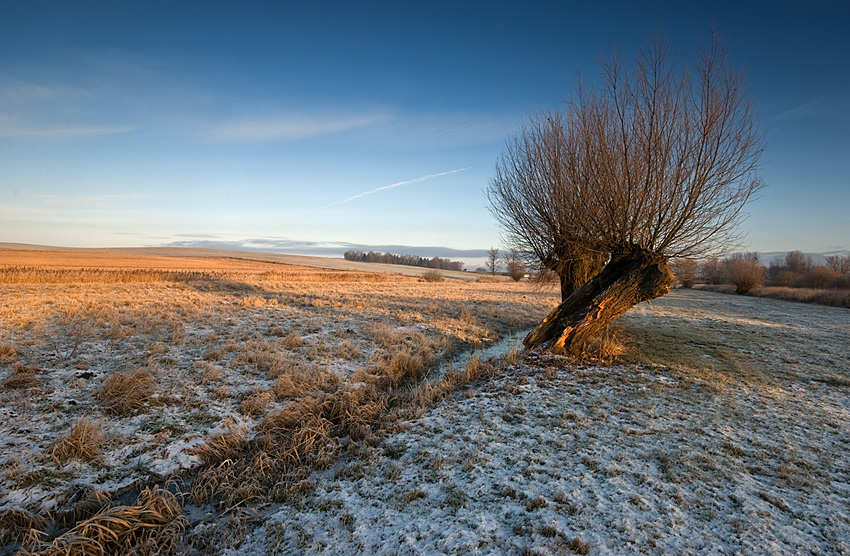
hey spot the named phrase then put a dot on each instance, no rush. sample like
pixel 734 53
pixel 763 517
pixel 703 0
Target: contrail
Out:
pixel 394 185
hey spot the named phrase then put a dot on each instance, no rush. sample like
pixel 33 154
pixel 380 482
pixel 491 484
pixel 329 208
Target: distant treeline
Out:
pixel 409 260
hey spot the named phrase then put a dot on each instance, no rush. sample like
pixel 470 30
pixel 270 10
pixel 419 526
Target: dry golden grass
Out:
pixel 223 445
pixel 257 402
pixel 8 353
pixel 83 442
pixel 22 377
pixel 17 523
pixel 324 354
pixel 123 393
pixel 152 526
pixel 64 267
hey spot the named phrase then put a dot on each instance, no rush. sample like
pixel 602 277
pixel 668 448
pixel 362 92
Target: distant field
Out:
pixel 179 258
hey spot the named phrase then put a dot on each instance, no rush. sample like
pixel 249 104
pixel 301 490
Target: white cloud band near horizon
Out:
pixel 394 185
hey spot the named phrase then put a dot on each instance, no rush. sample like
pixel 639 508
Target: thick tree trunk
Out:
pixel 633 275
pixel 577 270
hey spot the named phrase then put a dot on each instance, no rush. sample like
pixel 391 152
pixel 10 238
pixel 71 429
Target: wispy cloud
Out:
pixel 814 108
pixel 287 127
pixel 394 185
pixel 81 200
pixel 59 132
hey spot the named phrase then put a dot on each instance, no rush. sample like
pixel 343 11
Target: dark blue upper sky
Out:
pixel 132 123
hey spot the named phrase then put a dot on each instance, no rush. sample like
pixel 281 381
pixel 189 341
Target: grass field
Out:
pixel 203 405
pixel 122 371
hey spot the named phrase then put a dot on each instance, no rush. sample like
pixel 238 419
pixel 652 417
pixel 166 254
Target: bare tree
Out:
pixel 530 196
pixel 686 271
pixel 839 264
pixel 492 260
pixel 657 163
pixel 712 271
pixel 799 262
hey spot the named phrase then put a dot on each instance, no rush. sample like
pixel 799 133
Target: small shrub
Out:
pixel 432 276
pixel 516 270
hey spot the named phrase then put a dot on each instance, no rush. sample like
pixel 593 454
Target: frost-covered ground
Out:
pixel 214 351
pixel 738 444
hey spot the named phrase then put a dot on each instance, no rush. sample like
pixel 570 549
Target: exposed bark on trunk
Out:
pixel 633 275
pixel 577 271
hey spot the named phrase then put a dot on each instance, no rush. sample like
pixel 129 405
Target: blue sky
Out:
pixel 303 126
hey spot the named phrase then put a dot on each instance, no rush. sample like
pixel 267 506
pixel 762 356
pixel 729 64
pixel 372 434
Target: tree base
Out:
pixel 631 276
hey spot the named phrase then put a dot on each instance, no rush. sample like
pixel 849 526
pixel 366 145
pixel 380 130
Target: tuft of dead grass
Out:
pixel 606 346
pixel 123 393
pixel 17 523
pixel 8 352
pixel 256 403
pixel 578 546
pixel 152 526
pixel 220 446
pixel 82 442
pixel 293 340
pixel 22 377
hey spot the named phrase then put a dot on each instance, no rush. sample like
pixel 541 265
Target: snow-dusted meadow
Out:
pixel 740 446
pixel 202 345
pixel 723 429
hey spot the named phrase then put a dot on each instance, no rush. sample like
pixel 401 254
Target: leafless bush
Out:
pixel 745 271
pixel 784 278
pixel 799 262
pixel 840 283
pixel 222 445
pixel 819 277
pixel 685 270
